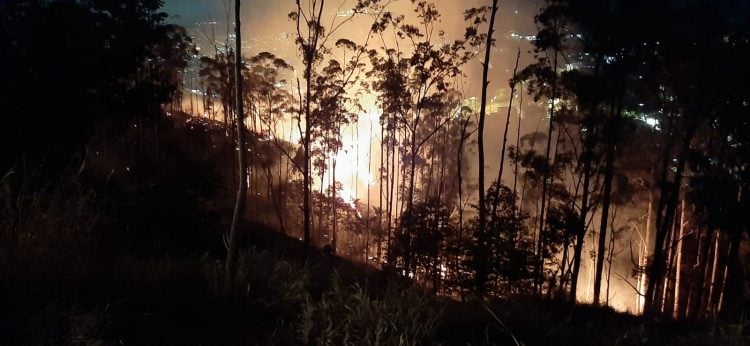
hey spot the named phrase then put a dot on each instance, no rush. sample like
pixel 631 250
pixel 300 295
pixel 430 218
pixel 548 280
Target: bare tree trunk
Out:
pixel 607 198
pixel 369 173
pixel 459 171
pixel 410 197
pixel 666 289
pixel 678 262
pixel 642 250
pixel 239 205
pixel 714 270
pixel 611 253
pixel 309 57
pixel 481 270
pixel 539 265
pixel 507 123
pixel 333 206
pixel 391 194
pixel 668 202
pixel 518 148
pixel 380 194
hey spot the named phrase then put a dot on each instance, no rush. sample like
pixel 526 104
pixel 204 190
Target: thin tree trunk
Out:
pixel 481 270
pixel 459 171
pixel 714 270
pixel 539 265
pixel 678 262
pixel 607 198
pixel 581 230
pixel 380 194
pixel 310 48
pixel 507 123
pixel 333 205
pixel 410 197
pixel 666 306
pixel 391 194
pixel 239 206
pixel 611 253
pixel 664 221
pixel 518 148
pixel 642 250
pixel 369 173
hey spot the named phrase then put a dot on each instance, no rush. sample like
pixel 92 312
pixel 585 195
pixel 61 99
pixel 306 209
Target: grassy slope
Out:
pixel 59 285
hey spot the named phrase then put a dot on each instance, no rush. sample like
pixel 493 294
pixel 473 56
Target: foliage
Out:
pixel 423 233
pixel 508 249
pixel 112 62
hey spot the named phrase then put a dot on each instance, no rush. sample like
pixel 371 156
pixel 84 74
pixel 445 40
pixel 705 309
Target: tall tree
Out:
pixel 481 270
pixel 312 39
pixel 417 91
pixel 239 204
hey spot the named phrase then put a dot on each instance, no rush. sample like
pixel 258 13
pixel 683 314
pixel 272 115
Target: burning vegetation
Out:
pixel 377 176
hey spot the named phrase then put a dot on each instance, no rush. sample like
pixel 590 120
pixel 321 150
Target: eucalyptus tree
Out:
pixel 269 102
pixel 239 205
pixel 217 77
pixel 335 109
pixel 693 93
pixel 543 82
pixel 601 57
pixel 481 271
pixel 313 39
pixel 617 53
pixel 705 108
pixel 415 86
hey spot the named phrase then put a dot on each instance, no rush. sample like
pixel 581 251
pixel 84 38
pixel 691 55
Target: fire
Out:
pixel 355 161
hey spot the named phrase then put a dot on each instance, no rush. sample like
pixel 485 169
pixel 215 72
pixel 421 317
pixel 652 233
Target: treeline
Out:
pixel 644 157
pixel 644 154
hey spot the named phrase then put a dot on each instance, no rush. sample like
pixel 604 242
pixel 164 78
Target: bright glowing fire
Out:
pixel 353 161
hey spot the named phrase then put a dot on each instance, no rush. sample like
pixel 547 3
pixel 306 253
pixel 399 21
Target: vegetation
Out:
pixel 127 218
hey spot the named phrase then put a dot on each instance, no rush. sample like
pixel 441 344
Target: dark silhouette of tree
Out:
pixel 268 103
pixel 417 92
pixel 217 77
pixel 481 271
pixel 549 41
pixel 692 90
pixel 422 234
pixel 312 40
pixel 509 250
pixel 239 204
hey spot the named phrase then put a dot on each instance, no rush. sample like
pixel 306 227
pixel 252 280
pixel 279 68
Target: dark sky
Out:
pixel 193 11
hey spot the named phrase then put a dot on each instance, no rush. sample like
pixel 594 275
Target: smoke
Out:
pixel 266 27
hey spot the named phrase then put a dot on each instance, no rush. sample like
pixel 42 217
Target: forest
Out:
pixel 375 172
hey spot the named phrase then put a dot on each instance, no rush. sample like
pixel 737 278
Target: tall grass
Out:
pixel 61 283
pixel 49 234
pixel 347 315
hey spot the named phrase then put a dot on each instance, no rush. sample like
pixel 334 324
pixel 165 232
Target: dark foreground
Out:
pixel 286 297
